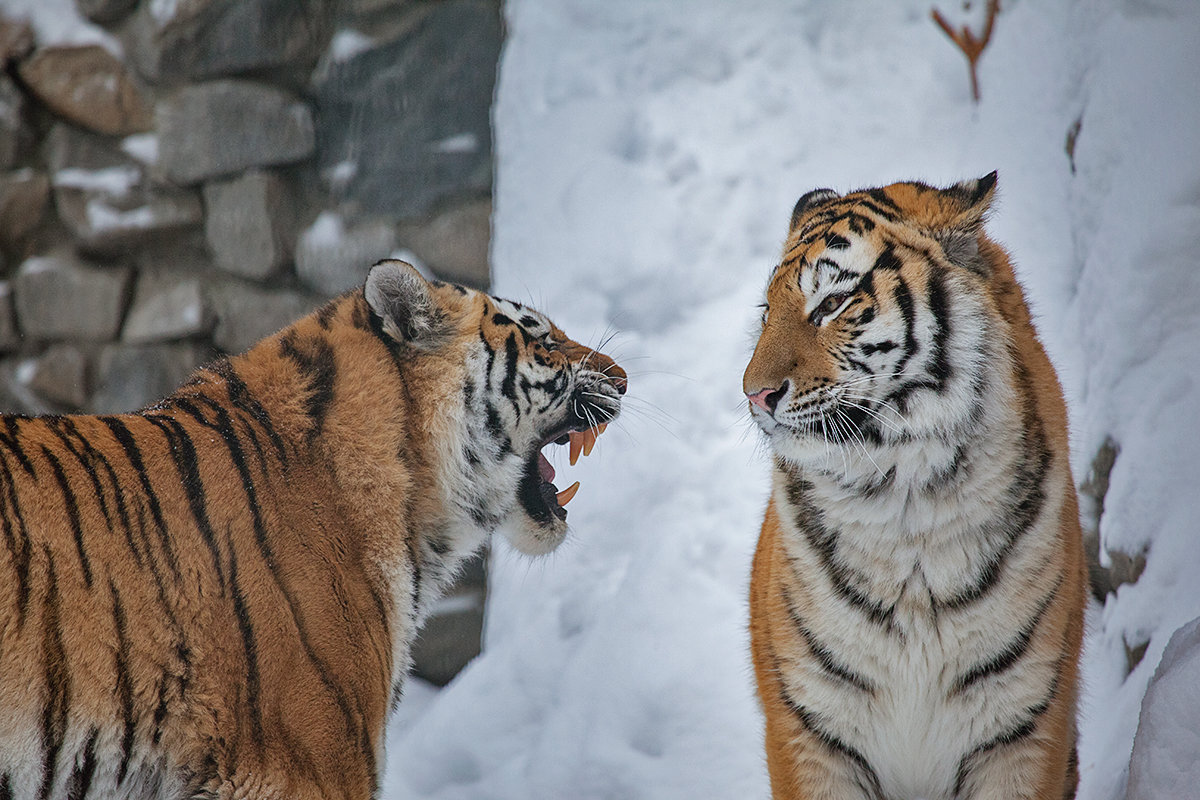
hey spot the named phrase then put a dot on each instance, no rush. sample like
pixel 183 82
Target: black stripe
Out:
pixel 250 647
pixel 124 683
pixel 72 507
pixel 1012 735
pixel 1022 505
pixel 134 454
pixel 881 197
pixel 1010 653
pixel 10 438
pixel 81 778
pixel 865 775
pixel 183 451
pixel 240 397
pixel 17 536
pixel 822 653
pixel 57 679
pixel 508 386
pixel 888 260
pixel 878 210
pixel 223 426
pixel 824 543
pixel 939 306
pixel 95 463
pixel 327 312
pixel 319 371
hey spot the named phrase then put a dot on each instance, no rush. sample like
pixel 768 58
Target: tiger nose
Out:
pixel 767 399
pixel 618 378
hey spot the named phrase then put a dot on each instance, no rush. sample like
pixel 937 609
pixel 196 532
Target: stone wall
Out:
pixel 221 167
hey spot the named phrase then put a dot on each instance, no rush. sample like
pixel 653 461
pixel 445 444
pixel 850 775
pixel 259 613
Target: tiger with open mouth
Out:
pixel 217 596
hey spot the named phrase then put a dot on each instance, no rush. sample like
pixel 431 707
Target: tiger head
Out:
pixel 878 319
pixel 519 383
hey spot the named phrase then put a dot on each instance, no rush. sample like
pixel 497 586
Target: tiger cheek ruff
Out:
pixel 216 596
pixel 917 594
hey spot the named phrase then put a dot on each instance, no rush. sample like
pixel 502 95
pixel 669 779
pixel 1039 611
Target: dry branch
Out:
pixel 970 44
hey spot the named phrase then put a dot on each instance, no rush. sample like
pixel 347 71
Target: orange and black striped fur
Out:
pixel 216 597
pixel 918 590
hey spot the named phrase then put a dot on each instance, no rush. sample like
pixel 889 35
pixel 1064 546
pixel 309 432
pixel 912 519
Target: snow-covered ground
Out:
pixel 648 156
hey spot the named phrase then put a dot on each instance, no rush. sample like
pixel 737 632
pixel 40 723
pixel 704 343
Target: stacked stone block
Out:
pixel 215 169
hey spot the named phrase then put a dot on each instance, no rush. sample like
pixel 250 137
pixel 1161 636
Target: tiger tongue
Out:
pixel 545 470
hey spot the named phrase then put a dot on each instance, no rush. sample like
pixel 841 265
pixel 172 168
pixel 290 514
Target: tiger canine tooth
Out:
pixel 566 494
pixel 589 440
pixel 576 446
pixel 601 428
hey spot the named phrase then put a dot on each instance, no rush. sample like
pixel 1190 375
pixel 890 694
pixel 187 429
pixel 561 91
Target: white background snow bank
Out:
pixel 648 157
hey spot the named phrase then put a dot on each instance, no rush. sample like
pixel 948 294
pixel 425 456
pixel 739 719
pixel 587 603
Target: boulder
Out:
pixel 131 376
pixel 58 375
pixel 421 107
pixel 167 306
pixel 247 313
pixel 332 258
pixel 214 129
pixel 109 222
pixel 16 40
pixel 1164 762
pixel 87 85
pixel 23 196
pixel 250 224
pixel 454 244
pixel 105 12
pixel 69 147
pixel 10 338
pixel 61 297
pixel 189 40
pixel 12 122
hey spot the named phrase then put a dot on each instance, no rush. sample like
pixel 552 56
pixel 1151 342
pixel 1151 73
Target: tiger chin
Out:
pixel 217 596
pixel 917 593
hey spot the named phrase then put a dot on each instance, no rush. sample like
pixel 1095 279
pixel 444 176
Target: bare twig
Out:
pixel 971 45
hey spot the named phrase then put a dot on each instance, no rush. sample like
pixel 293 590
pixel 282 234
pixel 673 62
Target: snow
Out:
pixel 648 156
pixel 347 43
pixel 57 22
pixel 116 182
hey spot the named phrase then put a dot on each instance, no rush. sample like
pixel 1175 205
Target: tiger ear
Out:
pixel 966 204
pixel 405 304
pixel 810 200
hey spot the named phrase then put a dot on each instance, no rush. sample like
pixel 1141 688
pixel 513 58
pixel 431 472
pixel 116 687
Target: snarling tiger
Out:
pixel 917 592
pixel 216 597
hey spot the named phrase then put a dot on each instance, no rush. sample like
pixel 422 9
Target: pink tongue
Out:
pixel 544 469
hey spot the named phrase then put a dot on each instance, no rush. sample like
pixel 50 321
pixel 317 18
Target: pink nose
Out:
pixel 760 399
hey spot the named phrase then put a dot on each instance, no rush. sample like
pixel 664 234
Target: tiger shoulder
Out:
pixel 917 594
pixel 217 596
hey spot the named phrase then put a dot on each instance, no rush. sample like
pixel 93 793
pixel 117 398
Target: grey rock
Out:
pixel 109 222
pixel 420 106
pixel 454 244
pixel 67 147
pixel 58 375
pixel 131 376
pixel 61 297
pixel 15 396
pixel 1164 763
pixel 197 39
pixel 16 40
pixel 13 134
pixel 247 313
pixel 105 12
pixel 332 258
pixel 89 86
pixel 214 129
pixel 23 196
pixel 250 224
pixel 450 637
pixel 167 306
pixel 10 338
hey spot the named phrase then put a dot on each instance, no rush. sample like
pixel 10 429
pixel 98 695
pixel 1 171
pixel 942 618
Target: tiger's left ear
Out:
pixel 405 305
pixel 960 224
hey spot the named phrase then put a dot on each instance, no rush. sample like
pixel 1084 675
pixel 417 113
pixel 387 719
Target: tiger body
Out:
pixel 217 596
pixel 917 592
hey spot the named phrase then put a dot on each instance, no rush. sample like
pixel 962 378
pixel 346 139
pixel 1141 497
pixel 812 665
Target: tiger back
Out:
pixel 216 597
pixel 917 592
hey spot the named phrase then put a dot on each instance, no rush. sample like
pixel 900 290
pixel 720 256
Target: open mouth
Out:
pixel 540 497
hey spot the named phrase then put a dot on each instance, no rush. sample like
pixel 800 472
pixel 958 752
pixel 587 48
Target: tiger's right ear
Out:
pixel 405 305
pixel 809 201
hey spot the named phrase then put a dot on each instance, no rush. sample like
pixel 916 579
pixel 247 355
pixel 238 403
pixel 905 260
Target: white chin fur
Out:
pixel 532 539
